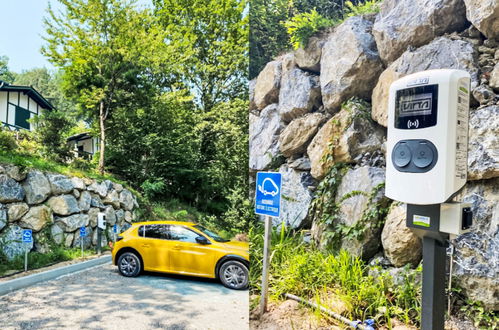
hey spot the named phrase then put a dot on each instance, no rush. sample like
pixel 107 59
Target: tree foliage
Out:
pixel 5 74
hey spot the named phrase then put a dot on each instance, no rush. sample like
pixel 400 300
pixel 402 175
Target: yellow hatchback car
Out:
pixel 181 248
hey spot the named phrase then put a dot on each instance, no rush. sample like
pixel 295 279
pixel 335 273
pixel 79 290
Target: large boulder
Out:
pixel 348 135
pixel 57 234
pixel 126 200
pixel 295 197
pixel 36 218
pixel 309 58
pixel 96 201
pixel 300 93
pixel 16 211
pixel 98 188
pixel 78 183
pixel 400 244
pixel 477 253
pixel 15 172
pixel 110 215
pixel 483 146
pixel 350 64
pixel 11 243
pixel 63 204
pixel 37 187
pixel 484 15
pixel 264 138
pixel 92 216
pixel 3 216
pixel 85 201
pixel 10 190
pixel 404 23
pixel 359 192
pixel 441 53
pixel 72 222
pixel 112 198
pixel 120 217
pixel 267 85
pixel 296 136
pixel 60 184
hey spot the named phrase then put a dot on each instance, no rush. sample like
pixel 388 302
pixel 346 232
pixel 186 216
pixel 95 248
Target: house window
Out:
pixel 22 116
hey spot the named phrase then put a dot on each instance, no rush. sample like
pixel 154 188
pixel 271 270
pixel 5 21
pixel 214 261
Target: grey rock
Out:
pixel 404 23
pixel 483 143
pixel 10 190
pixel 57 234
pixel 16 211
pixel 350 64
pixel 110 215
pixel 128 216
pixel 484 94
pixel 300 93
pixel 68 239
pixel 267 85
pixel 126 200
pixel 483 15
pixel 63 204
pixel 76 193
pixel 264 138
pixel 15 172
pixel 441 53
pixel 60 184
pixel 78 183
pixel 295 197
pixel 85 201
pixel 400 244
pixel 92 216
pixel 120 216
pixel 295 138
pixel 251 87
pixel 11 242
pixel 118 187
pixel 494 76
pixel 37 218
pixel 98 188
pixel 72 222
pixel 109 184
pixel 96 202
pixel 112 198
pixel 3 216
pixel 300 164
pixel 37 187
pixel 309 58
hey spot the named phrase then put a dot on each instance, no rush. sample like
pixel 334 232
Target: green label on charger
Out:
pixel 420 220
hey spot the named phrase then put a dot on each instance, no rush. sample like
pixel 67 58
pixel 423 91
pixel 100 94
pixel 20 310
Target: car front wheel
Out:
pixel 234 275
pixel 129 264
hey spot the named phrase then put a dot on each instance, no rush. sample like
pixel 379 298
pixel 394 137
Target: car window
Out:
pixel 182 234
pixel 141 231
pixel 156 231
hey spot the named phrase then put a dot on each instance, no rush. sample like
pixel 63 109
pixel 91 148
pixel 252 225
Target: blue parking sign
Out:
pixel 268 194
pixel 83 232
pixel 27 236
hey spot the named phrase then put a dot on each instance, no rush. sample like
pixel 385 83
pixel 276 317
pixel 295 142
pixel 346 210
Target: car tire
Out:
pixel 129 264
pixel 234 275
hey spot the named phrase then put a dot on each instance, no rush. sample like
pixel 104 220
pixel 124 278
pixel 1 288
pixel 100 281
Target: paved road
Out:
pixel 100 298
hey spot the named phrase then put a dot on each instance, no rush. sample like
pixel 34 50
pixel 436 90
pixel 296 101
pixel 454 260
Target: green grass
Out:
pixel 38 260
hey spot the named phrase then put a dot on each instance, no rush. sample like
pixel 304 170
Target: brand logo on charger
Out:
pixel 411 124
pixel 418 81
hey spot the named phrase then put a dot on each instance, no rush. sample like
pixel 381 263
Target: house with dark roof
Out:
pixel 83 145
pixel 18 104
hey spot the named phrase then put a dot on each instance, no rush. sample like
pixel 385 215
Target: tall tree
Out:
pixel 211 41
pixel 5 74
pixel 100 46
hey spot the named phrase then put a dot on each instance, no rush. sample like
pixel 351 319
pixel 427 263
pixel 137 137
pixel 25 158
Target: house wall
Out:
pixel 8 103
pixel 90 145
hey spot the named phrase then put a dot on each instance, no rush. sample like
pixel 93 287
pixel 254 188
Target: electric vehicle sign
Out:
pixel 268 194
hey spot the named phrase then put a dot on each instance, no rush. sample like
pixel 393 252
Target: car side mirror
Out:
pixel 202 240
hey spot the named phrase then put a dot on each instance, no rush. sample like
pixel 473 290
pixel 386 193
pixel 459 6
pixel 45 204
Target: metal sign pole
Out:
pixel 265 272
pixel 26 259
pixel 99 238
pixel 81 243
pixel 433 301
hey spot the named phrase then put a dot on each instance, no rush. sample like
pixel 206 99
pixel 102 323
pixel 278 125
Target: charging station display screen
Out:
pixel 416 107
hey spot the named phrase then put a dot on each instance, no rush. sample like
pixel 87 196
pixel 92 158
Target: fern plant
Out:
pixel 368 7
pixel 302 26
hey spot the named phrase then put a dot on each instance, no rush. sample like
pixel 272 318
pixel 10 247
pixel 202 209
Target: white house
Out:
pixel 83 145
pixel 20 103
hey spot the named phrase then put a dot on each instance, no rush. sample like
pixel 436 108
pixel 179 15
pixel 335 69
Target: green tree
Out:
pixel 5 74
pixel 51 131
pixel 210 38
pixel 100 45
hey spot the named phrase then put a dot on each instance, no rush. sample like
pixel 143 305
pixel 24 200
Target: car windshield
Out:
pixel 210 233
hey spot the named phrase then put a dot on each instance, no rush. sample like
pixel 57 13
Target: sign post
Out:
pixel 83 234
pixel 115 231
pixel 28 244
pixel 267 203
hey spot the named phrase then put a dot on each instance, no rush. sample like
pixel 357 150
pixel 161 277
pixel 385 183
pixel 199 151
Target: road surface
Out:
pixel 100 298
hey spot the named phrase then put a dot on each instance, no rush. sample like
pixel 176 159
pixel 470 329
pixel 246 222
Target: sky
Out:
pixel 22 31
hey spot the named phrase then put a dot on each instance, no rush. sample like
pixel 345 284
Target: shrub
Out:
pixel 153 188
pixel 302 26
pixel 51 131
pixel 7 140
pixel 368 7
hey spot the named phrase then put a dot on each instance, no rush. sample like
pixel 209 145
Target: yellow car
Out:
pixel 181 248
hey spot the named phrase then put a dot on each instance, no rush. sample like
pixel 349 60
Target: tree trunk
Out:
pixel 102 137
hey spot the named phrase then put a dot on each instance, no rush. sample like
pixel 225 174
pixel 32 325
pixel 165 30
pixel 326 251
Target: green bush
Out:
pixel 153 188
pixel 302 26
pixel 51 132
pixel 368 7
pixel 7 140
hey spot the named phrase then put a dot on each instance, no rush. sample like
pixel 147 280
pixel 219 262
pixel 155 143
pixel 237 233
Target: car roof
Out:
pixel 165 222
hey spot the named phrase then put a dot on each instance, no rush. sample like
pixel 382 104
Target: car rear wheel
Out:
pixel 129 264
pixel 234 275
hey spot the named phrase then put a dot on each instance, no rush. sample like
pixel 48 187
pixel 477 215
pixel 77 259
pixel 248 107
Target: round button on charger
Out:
pixel 401 154
pixel 423 155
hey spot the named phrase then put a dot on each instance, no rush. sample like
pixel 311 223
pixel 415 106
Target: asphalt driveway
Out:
pixel 100 298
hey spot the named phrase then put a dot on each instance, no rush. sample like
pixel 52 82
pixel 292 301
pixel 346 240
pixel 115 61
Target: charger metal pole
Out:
pixel 265 272
pixel 433 301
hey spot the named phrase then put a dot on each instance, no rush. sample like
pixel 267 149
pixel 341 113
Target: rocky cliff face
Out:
pixel 304 129
pixel 55 207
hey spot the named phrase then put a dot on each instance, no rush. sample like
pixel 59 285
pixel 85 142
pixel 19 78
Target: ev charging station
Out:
pixel 101 225
pixel 427 143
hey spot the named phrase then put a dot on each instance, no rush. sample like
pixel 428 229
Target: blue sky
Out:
pixel 22 30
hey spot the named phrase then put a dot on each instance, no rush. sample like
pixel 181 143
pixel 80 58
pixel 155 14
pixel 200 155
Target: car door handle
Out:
pixel 177 247
pixel 146 245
